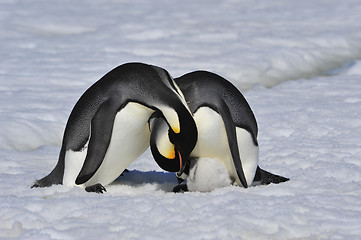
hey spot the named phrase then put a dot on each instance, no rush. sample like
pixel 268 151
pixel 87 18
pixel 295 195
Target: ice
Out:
pixel 297 63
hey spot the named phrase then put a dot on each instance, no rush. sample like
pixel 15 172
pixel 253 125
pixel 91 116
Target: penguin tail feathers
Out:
pixel 46 182
pixel 264 178
pixel 55 177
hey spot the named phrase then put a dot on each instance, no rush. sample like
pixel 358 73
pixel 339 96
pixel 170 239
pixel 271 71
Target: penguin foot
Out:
pixel 180 188
pixel 97 188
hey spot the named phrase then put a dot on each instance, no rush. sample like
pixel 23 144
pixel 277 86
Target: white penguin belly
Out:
pixel 74 161
pixel 248 153
pixel 213 143
pixel 212 137
pixel 130 138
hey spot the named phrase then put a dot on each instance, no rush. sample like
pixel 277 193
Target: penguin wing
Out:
pixel 232 139
pixel 100 135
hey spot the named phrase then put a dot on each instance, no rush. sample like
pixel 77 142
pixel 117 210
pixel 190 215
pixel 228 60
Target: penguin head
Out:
pixel 171 148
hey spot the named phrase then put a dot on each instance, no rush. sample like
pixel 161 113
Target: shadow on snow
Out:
pixel 164 180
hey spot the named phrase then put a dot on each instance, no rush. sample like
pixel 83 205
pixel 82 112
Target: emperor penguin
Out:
pixel 227 130
pixel 108 126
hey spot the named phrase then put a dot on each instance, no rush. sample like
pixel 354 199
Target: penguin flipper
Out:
pixel 101 131
pixel 264 178
pixel 232 140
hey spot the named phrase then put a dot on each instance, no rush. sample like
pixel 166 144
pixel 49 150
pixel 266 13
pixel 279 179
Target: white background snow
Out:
pixel 297 63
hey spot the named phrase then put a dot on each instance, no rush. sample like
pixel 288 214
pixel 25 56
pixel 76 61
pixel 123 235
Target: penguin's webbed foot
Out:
pixel 180 188
pixel 97 188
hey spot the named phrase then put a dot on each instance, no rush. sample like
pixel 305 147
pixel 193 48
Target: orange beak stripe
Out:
pixel 180 161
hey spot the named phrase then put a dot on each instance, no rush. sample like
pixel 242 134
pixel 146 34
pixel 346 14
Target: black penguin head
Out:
pixel 171 150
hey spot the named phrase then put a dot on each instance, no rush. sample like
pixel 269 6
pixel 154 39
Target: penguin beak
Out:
pixel 182 166
pixel 182 153
pixel 185 140
pixel 170 149
pixel 179 157
pixel 184 172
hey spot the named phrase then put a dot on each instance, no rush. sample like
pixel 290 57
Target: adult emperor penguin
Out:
pixel 227 128
pixel 108 127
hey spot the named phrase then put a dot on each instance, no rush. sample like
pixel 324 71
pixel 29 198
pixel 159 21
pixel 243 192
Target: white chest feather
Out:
pixel 130 138
pixel 212 137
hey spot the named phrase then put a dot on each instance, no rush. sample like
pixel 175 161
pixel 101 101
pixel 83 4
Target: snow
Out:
pixel 297 63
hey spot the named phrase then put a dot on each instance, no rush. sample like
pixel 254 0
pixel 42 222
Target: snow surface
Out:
pixel 309 128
